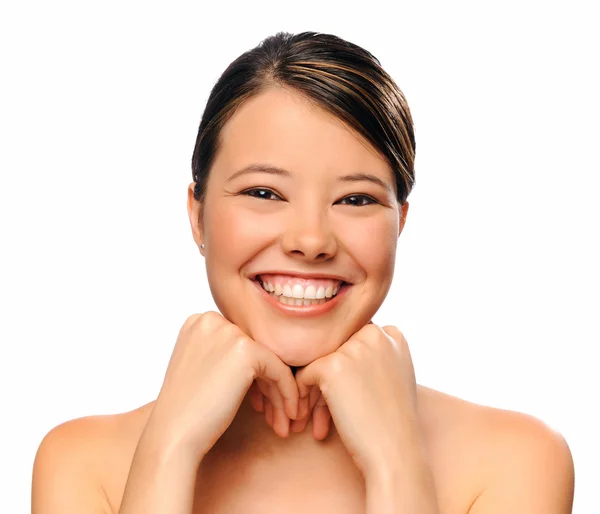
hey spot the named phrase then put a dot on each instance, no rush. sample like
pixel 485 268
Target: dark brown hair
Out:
pixel 340 77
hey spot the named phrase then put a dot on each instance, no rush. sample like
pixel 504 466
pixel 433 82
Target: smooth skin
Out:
pixel 233 430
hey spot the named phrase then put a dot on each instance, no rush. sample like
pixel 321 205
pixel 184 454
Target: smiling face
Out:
pixel 300 224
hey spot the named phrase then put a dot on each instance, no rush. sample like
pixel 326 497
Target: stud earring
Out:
pixel 202 246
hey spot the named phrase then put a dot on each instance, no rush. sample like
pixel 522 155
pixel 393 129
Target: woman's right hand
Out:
pixel 211 370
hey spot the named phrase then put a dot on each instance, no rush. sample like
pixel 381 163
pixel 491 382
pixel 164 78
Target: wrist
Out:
pixel 402 482
pixel 395 454
pixel 167 449
pixel 395 492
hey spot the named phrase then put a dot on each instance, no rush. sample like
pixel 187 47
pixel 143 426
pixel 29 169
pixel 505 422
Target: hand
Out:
pixel 211 369
pixel 277 419
pixel 368 387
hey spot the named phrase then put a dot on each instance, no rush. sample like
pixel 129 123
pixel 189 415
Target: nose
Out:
pixel 308 236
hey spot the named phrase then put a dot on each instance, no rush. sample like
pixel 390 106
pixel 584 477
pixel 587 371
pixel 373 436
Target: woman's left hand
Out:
pixel 368 387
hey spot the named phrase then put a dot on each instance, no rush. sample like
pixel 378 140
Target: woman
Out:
pixel 290 399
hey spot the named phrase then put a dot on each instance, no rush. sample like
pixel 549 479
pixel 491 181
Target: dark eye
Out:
pixel 261 192
pixel 357 200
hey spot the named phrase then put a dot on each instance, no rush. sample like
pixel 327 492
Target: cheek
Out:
pixel 372 243
pixel 235 233
pixel 233 236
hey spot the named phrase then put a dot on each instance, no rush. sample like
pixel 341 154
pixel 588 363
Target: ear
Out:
pixel 194 208
pixel 403 213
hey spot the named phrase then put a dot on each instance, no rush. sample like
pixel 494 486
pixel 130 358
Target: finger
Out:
pixel 305 410
pixel 299 425
pixel 256 397
pixel 277 419
pixel 281 423
pixel 264 387
pixel 321 417
pixel 304 407
pixel 268 412
pixel 308 377
pixel 313 398
pixel 321 422
pixel 268 366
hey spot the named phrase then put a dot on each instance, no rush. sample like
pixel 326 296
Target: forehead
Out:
pixel 283 128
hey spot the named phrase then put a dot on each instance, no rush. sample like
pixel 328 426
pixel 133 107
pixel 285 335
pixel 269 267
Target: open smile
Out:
pixel 301 295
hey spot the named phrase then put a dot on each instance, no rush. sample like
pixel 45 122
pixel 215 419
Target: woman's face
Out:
pixel 300 225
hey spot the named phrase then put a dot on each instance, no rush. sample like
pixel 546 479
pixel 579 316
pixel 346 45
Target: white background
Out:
pixel 497 282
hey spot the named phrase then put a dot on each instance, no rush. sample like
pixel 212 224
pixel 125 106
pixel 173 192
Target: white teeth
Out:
pixel 298 295
pixel 299 301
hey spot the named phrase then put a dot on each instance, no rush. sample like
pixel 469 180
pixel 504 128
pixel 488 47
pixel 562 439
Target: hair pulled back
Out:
pixel 338 76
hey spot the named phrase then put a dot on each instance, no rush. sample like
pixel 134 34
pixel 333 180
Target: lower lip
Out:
pixel 303 310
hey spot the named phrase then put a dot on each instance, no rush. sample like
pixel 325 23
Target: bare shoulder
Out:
pixel 516 462
pixel 79 464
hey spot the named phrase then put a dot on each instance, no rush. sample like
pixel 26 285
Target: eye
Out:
pixel 261 192
pixel 357 200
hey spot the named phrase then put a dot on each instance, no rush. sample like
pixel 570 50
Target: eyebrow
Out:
pixel 359 177
pixel 274 170
pixel 263 168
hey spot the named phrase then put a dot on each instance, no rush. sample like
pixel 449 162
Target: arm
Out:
pixel 212 367
pixel 368 387
pixel 534 475
pixel 67 478
pixel 211 370
pixel 405 484
pixel 64 478
pixel 161 479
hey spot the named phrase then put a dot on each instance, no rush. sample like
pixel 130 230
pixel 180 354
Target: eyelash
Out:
pixel 248 192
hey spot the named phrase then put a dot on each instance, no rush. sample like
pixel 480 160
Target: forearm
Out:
pixel 160 479
pixel 402 485
pixel 397 495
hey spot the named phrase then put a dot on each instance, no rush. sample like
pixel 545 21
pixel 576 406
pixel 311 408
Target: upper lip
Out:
pixel 301 274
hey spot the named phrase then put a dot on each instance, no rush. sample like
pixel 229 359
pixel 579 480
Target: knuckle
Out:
pixel 208 321
pixel 396 336
pixel 370 331
pixel 337 364
pixel 372 328
pixel 231 331
pixel 211 318
pixel 242 345
pixel 393 331
pixel 191 320
pixel 356 347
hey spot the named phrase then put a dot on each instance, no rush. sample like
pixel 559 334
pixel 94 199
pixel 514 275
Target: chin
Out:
pixel 297 347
